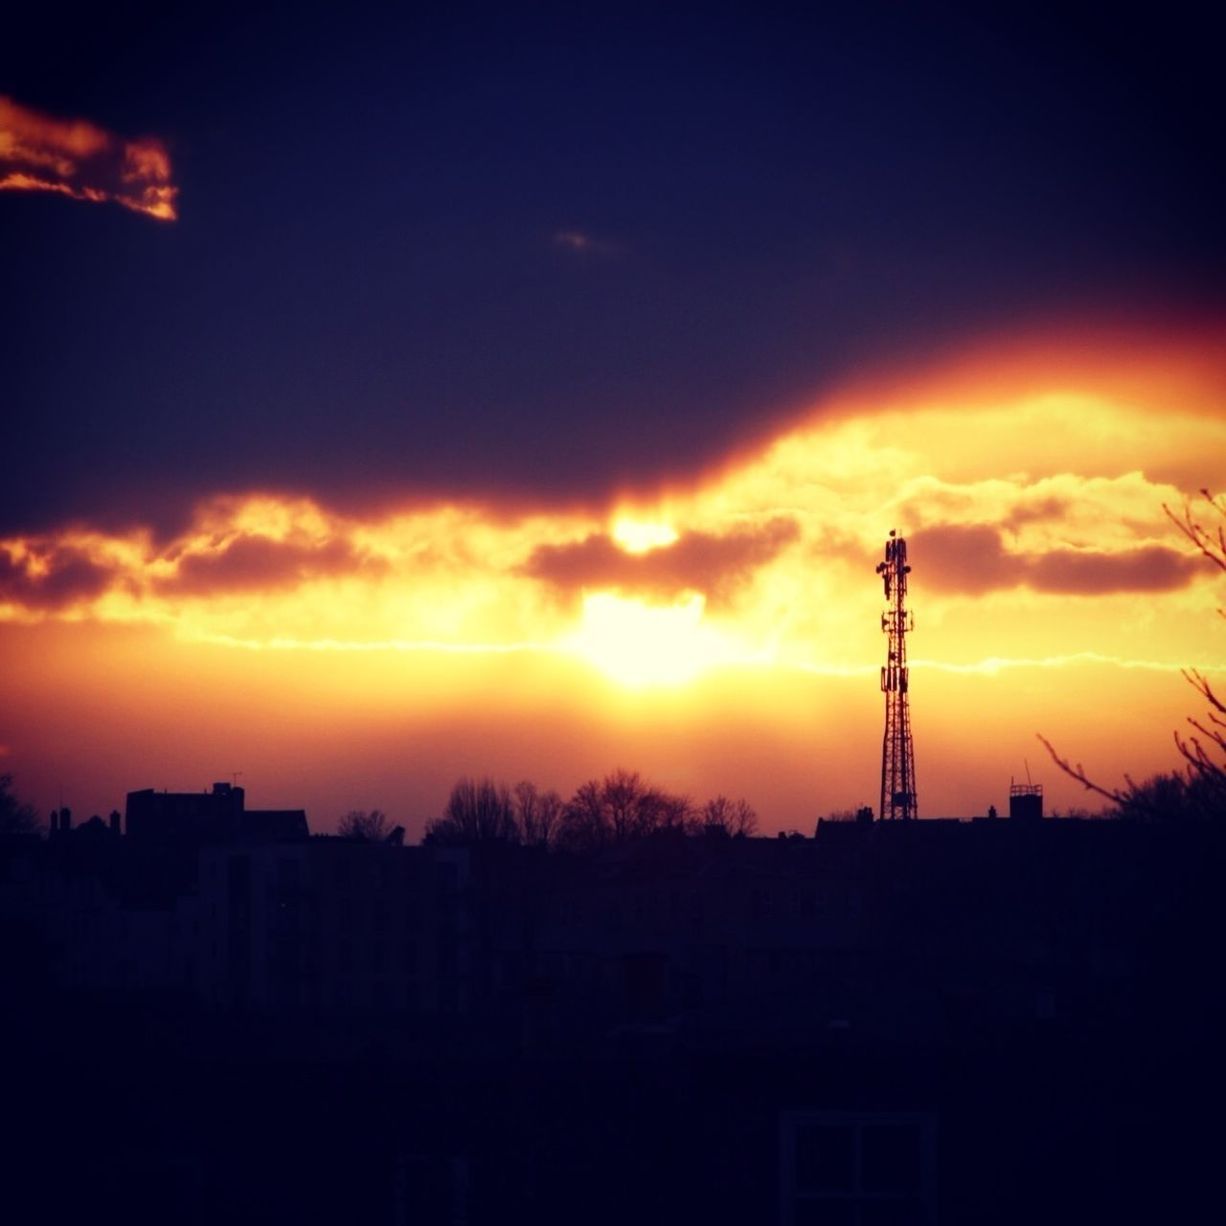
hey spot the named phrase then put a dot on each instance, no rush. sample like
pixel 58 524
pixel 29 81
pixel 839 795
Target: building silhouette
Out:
pixel 922 1021
pixel 197 818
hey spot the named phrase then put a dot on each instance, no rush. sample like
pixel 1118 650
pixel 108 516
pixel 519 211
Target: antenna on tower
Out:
pixel 898 799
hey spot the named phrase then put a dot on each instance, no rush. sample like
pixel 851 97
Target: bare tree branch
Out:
pixel 1210 543
pixel 1202 785
pixel 1077 772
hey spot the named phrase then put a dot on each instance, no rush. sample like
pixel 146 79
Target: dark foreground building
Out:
pixel 999 1021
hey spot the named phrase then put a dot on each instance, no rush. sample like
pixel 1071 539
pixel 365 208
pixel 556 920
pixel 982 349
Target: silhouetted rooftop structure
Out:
pixel 216 816
pixel 1026 801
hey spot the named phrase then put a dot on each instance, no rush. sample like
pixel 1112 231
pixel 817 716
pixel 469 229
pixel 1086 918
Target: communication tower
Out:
pixel 898 798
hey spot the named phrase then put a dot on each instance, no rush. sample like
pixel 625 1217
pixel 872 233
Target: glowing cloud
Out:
pixel 75 158
pixel 716 563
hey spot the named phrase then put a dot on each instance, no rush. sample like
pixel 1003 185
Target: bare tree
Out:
pixel 619 809
pixel 1201 788
pixel 585 825
pixel 364 827
pixel 624 800
pixel 480 811
pixel 538 813
pixel 720 815
pixel 673 812
pixel 15 817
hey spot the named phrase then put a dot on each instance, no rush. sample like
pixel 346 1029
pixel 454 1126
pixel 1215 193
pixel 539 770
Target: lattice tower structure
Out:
pixel 898 797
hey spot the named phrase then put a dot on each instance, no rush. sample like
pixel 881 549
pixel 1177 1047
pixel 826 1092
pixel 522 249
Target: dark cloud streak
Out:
pixel 972 560
pixel 63 576
pixel 384 286
pixel 256 563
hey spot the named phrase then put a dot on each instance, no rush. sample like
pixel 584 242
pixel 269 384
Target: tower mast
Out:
pixel 898 798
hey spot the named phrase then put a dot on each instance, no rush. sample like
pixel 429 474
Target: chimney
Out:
pixel 115 822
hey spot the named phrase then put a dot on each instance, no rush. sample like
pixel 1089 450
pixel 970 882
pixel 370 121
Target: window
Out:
pixel 890 1158
pixel 288 874
pixel 859 1168
pixel 825 1158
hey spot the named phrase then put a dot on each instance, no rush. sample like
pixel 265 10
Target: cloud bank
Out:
pixel 1038 534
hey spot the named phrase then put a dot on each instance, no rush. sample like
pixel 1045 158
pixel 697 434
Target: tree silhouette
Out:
pixel 364 827
pixel 619 809
pixel 1200 790
pixel 15 817
pixel 720 815
pixel 537 813
pixel 480 811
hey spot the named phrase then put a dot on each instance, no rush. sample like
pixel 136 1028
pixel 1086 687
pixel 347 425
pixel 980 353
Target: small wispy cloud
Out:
pixel 581 243
pixel 78 159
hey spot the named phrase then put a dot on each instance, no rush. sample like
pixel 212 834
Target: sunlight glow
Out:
pixel 638 644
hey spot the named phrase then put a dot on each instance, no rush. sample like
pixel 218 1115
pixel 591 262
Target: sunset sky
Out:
pixel 393 398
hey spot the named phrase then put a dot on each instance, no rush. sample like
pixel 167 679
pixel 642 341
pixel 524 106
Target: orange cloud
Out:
pixel 76 158
pixel 707 562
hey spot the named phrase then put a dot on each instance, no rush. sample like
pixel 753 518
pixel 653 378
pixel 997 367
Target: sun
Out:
pixel 638 536
pixel 640 644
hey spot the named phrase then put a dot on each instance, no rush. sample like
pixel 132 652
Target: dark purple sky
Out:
pixel 375 289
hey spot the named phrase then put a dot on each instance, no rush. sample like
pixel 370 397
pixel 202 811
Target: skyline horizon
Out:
pixel 482 392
